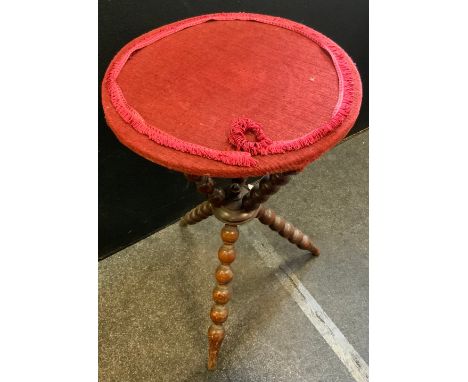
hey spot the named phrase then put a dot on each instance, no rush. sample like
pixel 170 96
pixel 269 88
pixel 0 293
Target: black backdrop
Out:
pixel 137 197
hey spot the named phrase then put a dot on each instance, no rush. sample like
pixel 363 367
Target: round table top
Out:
pixel 231 95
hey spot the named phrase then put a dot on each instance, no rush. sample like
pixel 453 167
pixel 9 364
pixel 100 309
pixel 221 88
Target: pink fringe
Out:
pixel 240 127
pixel 263 146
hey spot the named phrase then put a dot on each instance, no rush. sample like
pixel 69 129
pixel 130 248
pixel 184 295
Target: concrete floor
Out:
pixel 154 297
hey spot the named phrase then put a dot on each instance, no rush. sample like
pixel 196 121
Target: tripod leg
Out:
pixel 268 217
pixel 199 213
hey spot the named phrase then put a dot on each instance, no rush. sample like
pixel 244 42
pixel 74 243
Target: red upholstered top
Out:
pixel 192 95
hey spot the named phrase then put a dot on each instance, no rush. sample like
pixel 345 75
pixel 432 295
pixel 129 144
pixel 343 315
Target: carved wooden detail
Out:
pixel 217 197
pixel 268 217
pixel 267 186
pixel 221 292
pixel 231 202
pixel 206 185
pixel 199 213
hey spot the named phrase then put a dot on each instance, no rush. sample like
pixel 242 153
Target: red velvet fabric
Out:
pixel 195 83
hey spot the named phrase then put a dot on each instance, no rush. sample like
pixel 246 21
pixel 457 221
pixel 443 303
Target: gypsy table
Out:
pixel 226 99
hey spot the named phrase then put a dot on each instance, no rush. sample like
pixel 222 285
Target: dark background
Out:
pixel 137 197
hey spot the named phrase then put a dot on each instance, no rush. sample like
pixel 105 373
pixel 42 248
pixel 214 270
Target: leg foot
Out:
pixel 199 213
pixel 268 217
pixel 221 293
pixel 215 338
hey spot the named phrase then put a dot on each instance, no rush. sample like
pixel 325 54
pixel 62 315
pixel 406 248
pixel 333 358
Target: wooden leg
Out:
pixel 221 292
pixel 199 213
pixel 268 217
pixel 268 185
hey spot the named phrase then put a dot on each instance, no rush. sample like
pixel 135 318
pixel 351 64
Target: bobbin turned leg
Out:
pixel 268 217
pixel 199 213
pixel 221 292
pixel 268 185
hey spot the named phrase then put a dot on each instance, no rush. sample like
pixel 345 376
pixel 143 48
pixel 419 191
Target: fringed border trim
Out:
pixel 243 125
pixel 264 146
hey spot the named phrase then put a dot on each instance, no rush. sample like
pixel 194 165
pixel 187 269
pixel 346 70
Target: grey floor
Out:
pixel 154 297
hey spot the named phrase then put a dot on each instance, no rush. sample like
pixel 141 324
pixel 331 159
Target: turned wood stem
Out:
pixel 268 217
pixel 221 293
pixel 199 213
